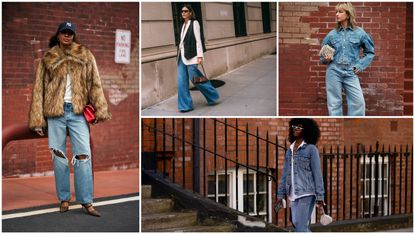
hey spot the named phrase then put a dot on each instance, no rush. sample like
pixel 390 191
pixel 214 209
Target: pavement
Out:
pixel 409 229
pixel 30 204
pixel 249 90
pixel 28 192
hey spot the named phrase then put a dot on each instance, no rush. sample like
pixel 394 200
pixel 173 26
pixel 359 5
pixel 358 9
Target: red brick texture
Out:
pixel 386 84
pixel 334 132
pixel 27 28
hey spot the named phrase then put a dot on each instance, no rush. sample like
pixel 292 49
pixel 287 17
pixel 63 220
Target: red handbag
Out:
pixel 89 113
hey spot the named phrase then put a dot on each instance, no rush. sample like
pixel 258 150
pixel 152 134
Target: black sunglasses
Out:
pixel 67 32
pixel 185 11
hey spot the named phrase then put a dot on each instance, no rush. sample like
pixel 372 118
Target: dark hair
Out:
pixel 311 131
pixel 188 6
pixel 54 40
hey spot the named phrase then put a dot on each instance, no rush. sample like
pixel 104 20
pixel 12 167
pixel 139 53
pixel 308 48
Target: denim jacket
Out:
pixel 347 44
pixel 307 173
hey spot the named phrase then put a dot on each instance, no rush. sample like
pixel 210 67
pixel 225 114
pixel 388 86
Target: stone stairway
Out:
pixel 158 215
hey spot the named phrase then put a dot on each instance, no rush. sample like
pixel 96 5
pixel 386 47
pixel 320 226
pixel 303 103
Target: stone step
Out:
pixel 156 205
pixel 201 228
pixel 158 221
pixel 145 191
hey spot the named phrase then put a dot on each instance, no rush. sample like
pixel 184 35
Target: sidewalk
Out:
pixel 249 91
pixel 36 191
pixel 410 229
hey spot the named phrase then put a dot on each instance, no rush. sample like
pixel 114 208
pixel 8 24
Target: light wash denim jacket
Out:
pixel 307 173
pixel 347 44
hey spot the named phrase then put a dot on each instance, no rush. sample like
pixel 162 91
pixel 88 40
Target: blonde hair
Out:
pixel 351 14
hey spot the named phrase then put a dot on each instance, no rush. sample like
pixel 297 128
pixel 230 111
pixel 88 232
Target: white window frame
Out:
pixel 372 178
pixel 230 186
pixel 241 194
pixel 232 191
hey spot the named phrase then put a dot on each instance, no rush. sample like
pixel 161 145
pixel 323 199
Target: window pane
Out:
pixel 239 19
pixel 266 17
pixel 221 184
pixel 251 183
pixel 211 184
pixel 366 207
pixel 262 180
pixel 367 188
pixel 249 206
pixel 261 202
pixel 368 166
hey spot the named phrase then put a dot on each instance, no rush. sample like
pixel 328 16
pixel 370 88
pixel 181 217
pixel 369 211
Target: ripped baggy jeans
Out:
pixel 81 155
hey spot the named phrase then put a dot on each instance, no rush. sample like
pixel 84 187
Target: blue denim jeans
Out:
pixel 301 210
pixel 338 77
pixel 79 137
pixel 186 73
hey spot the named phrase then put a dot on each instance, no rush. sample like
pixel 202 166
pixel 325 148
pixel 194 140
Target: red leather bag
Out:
pixel 89 113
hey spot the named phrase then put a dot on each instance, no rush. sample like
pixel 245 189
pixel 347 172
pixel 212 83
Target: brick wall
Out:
pixel 27 28
pixel 303 26
pixel 409 70
pixel 334 132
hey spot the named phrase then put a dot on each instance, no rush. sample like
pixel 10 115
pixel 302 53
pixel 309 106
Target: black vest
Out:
pixel 189 42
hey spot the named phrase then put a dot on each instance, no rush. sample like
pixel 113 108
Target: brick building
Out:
pixel 27 28
pixel 350 181
pixel 386 83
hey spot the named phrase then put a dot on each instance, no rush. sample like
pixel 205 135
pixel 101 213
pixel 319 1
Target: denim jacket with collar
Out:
pixel 347 43
pixel 307 173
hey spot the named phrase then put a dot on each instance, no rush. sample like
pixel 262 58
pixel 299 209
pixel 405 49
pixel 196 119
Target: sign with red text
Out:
pixel 122 46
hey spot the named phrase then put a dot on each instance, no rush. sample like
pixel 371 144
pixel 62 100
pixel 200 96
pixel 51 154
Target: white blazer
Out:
pixel 199 48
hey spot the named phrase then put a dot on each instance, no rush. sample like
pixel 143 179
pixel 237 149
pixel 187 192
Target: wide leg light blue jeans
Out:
pixel 79 137
pixel 338 77
pixel 301 210
pixel 186 73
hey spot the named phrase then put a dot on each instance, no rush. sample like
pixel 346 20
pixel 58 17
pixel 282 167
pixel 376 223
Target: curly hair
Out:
pixel 311 131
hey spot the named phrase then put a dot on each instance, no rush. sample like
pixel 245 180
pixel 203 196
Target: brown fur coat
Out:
pixel 50 85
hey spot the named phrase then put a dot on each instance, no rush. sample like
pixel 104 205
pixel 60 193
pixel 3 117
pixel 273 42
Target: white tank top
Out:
pixel 68 92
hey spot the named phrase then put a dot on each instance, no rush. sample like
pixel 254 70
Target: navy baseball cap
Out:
pixel 67 25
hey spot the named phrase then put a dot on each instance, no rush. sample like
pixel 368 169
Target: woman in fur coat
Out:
pixel 67 79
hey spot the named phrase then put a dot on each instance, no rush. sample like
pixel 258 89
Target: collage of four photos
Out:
pixel 207 116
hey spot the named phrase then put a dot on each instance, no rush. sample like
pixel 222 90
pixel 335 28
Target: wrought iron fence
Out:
pixel 208 157
pixel 369 179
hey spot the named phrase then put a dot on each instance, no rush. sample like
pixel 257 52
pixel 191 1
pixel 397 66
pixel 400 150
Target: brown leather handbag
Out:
pixel 200 79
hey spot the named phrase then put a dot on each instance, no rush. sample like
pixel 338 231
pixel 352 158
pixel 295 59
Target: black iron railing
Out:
pixel 369 181
pixel 216 160
pixel 201 154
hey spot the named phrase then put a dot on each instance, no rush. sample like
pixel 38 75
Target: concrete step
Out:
pixel 201 228
pixel 156 205
pixel 145 191
pixel 158 221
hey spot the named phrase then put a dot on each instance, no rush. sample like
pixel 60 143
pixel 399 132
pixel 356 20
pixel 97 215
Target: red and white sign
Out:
pixel 122 46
